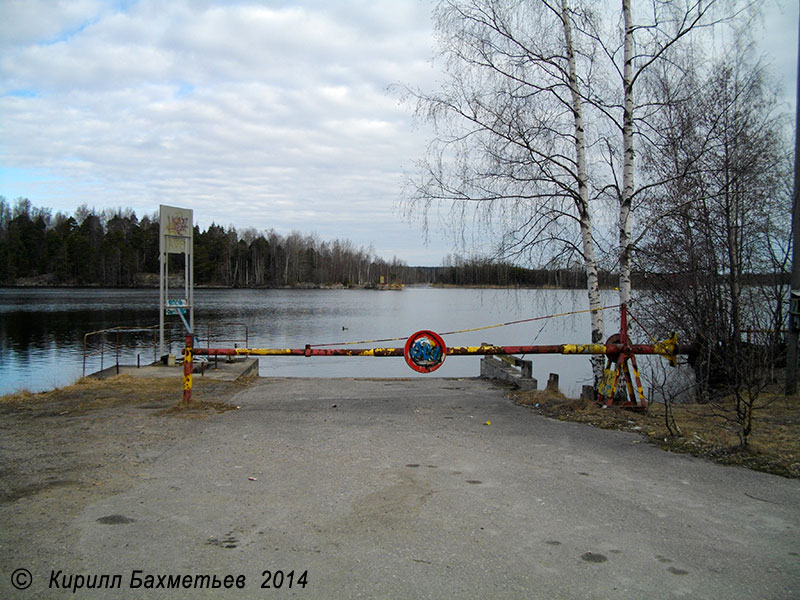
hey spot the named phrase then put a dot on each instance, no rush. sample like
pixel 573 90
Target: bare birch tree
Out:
pixel 646 39
pixel 512 149
pixel 511 145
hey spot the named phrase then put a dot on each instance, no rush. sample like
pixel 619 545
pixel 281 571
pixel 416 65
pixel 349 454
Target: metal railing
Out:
pixel 115 340
pixel 115 333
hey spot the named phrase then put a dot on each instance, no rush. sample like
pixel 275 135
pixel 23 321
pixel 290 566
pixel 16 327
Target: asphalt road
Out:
pixel 399 489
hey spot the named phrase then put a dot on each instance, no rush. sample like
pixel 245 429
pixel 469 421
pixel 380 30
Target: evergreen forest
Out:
pixel 114 248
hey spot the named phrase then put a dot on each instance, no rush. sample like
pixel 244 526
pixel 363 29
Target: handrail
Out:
pixel 115 330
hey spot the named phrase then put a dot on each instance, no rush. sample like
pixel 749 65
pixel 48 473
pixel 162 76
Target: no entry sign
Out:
pixel 425 351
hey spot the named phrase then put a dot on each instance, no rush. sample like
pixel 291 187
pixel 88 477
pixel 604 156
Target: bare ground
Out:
pixel 64 449
pixel 704 430
pixel 87 440
pixel 89 435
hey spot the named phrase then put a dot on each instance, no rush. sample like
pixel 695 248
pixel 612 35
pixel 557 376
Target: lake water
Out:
pixel 42 330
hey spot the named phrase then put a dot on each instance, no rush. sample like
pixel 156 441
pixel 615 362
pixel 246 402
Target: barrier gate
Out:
pixel 425 351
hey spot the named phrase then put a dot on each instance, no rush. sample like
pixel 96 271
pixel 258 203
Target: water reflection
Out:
pixel 41 330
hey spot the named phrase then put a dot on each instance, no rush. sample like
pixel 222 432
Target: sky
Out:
pixel 270 115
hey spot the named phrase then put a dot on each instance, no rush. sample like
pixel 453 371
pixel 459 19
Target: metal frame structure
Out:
pixel 176 237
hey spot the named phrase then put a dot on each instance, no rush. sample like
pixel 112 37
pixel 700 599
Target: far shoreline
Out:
pixel 300 286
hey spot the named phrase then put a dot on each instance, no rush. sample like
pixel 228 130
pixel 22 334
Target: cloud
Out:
pixel 27 22
pixel 269 114
pixel 256 114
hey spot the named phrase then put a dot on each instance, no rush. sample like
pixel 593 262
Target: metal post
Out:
pixel 166 290
pixel 216 358
pixel 161 302
pixel 187 370
pixel 190 277
pixel 186 282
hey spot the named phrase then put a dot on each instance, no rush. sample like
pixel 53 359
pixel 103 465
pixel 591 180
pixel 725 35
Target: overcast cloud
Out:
pixel 255 114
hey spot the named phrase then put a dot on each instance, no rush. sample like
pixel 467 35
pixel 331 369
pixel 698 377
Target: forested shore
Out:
pixel 115 248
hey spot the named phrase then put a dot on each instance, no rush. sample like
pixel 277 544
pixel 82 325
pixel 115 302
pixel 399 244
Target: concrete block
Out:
pixel 587 393
pixel 552 382
pixel 494 368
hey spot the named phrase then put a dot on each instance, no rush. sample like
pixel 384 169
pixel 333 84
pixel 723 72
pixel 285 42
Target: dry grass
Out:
pixel 89 394
pixel 705 430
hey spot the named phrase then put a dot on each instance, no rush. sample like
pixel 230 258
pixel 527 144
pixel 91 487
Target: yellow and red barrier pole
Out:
pixel 607 349
pixel 425 352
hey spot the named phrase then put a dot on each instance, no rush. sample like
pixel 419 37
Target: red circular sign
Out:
pixel 425 351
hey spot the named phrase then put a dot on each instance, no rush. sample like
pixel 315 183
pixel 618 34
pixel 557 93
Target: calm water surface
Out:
pixel 41 330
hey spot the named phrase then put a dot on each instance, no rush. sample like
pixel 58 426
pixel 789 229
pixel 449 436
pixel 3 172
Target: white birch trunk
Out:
pixel 587 242
pixel 626 197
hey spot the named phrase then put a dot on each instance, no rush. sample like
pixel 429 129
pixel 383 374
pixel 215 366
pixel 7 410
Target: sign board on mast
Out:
pixel 176 237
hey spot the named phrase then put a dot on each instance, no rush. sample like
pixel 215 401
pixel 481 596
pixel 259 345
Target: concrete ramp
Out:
pixel 440 488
